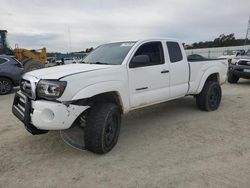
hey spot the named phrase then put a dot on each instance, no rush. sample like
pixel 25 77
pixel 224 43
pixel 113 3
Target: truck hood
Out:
pixel 58 72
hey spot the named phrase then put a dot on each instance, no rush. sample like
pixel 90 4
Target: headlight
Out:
pixel 50 89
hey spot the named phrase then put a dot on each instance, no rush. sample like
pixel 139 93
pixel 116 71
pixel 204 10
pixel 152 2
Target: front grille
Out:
pixel 26 87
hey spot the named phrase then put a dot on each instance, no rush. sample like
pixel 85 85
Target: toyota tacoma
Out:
pixel 115 79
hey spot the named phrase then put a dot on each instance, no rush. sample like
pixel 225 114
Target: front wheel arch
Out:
pixel 107 97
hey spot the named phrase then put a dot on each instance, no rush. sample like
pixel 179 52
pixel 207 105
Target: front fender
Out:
pixel 103 87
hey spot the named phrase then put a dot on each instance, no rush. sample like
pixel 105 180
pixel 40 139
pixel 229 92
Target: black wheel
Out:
pixel 210 96
pixel 102 127
pixel 32 65
pixel 232 78
pixel 6 86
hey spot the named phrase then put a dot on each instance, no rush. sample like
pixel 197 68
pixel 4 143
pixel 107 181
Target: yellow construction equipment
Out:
pixel 31 59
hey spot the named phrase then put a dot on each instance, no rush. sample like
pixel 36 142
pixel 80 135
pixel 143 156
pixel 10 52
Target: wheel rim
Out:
pixel 5 86
pixel 214 98
pixel 110 130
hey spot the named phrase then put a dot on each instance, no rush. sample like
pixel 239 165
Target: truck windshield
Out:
pixel 109 54
pixel 248 53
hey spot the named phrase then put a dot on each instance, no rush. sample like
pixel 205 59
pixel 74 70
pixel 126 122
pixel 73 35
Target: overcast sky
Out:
pixel 61 25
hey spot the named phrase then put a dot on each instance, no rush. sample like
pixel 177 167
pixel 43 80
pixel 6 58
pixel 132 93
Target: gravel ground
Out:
pixel 168 145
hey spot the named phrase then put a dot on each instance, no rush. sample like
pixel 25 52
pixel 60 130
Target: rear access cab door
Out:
pixel 179 69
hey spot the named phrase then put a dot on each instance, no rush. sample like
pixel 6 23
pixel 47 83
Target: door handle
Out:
pixel 164 71
pixel 142 88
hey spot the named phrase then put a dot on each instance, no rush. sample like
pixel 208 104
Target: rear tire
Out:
pixel 102 127
pixel 210 96
pixel 6 86
pixel 33 65
pixel 232 78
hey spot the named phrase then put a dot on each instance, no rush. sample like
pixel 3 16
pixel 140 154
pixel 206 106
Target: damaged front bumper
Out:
pixel 40 116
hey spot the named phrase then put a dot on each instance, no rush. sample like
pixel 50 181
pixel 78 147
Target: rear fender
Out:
pixel 208 72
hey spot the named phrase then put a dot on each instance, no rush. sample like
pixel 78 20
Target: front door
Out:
pixel 149 81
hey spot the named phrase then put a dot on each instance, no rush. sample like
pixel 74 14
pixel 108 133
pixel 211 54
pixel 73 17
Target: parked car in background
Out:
pixel 239 67
pixel 230 54
pixel 11 71
pixel 241 56
pixel 67 60
pixel 50 60
pixel 246 55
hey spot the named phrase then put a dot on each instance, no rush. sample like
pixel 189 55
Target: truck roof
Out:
pixel 157 38
pixel 146 39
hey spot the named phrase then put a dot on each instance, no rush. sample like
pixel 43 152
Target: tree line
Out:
pixel 221 41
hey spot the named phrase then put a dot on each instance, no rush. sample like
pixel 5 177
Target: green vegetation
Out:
pixel 221 41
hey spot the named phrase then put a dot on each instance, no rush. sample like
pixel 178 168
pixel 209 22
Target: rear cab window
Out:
pixel 174 51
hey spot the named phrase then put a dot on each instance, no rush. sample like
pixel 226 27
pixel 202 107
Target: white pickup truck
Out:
pixel 115 79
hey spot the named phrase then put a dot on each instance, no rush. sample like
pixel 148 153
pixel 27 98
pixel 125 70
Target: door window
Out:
pixel 154 51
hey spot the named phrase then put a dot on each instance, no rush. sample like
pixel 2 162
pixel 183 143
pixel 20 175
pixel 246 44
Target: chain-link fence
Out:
pixel 215 52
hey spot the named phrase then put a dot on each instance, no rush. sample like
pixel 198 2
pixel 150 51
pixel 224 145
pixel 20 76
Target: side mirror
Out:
pixel 139 61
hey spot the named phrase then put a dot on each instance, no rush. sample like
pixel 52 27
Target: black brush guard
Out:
pixel 21 108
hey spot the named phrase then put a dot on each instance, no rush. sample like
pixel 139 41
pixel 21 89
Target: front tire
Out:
pixel 210 96
pixel 102 127
pixel 6 86
pixel 232 78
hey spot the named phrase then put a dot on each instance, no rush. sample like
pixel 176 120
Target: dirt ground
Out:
pixel 167 145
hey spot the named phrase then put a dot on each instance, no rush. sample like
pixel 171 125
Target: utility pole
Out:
pixel 248 31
